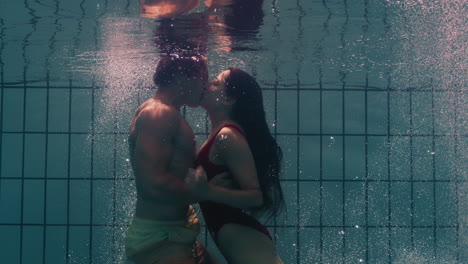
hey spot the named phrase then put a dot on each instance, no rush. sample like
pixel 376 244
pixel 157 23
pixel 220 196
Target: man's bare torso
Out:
pixel 183 150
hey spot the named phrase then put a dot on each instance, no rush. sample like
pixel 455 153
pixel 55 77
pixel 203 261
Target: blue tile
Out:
pixel 286 244
pixel 81 110
pixel 355 157
pixel 13 104
pixel 462 253
pixel 33 202
pixel 333 247
pixel 288 69
pixel 120 244
pixel 332 204
pixel 446 203
pixel 56 202
pixel 378 203
pixel 445 163
pixel 289 147
pixel 80 202
pixel 103 156
pixel 13 162
pixel 10 243
pixel 286 111
pixel 401 244
pixel 56 241
pixel 460 158
pixel 422 113
pixel 355 202
pixel 355 248
pixel 377 113
pixel 34 156
pixel 36 110
pixel 399 113
pixel 379 77
pixel 424 243
pixel 446 245
pixel 309 74
pixel 332 112
pixel 423 213
pixel 123 165
pixel 355 79
pixel 445 113
pixel 377 158
pixel 269 104
pixel 33 245
pixel 400 199
pixel 423 155
pixel 309 112
pixel 80 156
pixel 289 217
pixel 59 110
pixel 354 104
pixel 309 207
pixel 309 157
pixel 400 158
pixel 378 245
pixel 57 156
pixel 103 202
pixel 79 242
pixel 103 245
pixel 332 158
pixel 330 78
pixel 125 200
pixel 10 201
pixel 266 70
pixel 309 248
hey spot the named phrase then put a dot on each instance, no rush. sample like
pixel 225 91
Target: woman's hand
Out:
pixel 197 183
pixel 224 180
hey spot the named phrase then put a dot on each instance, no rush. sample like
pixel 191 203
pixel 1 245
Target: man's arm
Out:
pixel 153 156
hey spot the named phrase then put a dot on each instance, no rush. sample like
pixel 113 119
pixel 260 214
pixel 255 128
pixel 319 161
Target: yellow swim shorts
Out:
pixel 143 234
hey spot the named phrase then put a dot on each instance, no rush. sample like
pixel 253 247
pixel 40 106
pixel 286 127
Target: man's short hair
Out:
pixel 168 67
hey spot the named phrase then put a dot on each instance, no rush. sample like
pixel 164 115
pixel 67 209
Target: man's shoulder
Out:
pixel 158 113
pixel 158 119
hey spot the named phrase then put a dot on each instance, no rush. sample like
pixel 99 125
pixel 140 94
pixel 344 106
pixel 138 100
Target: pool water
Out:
pixel 367 99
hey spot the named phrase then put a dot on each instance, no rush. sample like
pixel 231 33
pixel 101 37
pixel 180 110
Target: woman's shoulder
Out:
pixel 231 128
pixel 230 136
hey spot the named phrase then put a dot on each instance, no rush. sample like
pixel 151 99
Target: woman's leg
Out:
pixel 245 245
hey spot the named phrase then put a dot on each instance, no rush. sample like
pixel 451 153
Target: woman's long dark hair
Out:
pixel 249 113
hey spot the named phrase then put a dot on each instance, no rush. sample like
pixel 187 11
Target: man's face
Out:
pixel 192 89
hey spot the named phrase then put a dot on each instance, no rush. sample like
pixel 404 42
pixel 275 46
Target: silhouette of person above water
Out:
pixel 166 8
pixel 230 25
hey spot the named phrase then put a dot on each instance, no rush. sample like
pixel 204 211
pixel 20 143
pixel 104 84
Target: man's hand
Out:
pixel 197 183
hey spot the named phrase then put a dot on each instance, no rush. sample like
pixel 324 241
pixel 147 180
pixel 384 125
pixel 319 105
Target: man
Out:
pixel 162 149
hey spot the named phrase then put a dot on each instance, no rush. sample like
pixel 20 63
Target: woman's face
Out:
pixel 214 96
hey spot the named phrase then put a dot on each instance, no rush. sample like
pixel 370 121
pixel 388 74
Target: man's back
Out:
pixel 162 148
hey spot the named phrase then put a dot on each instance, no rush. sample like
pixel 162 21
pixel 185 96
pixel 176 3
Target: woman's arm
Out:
pixel 232 149
pixel 243 199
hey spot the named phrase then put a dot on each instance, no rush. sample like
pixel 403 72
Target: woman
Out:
pixel 241 148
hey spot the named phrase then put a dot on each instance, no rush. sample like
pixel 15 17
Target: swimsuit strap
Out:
pixel 233 126
pixel 208 145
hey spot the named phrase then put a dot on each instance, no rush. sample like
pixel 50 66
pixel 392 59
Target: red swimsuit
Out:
pixel 216 214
